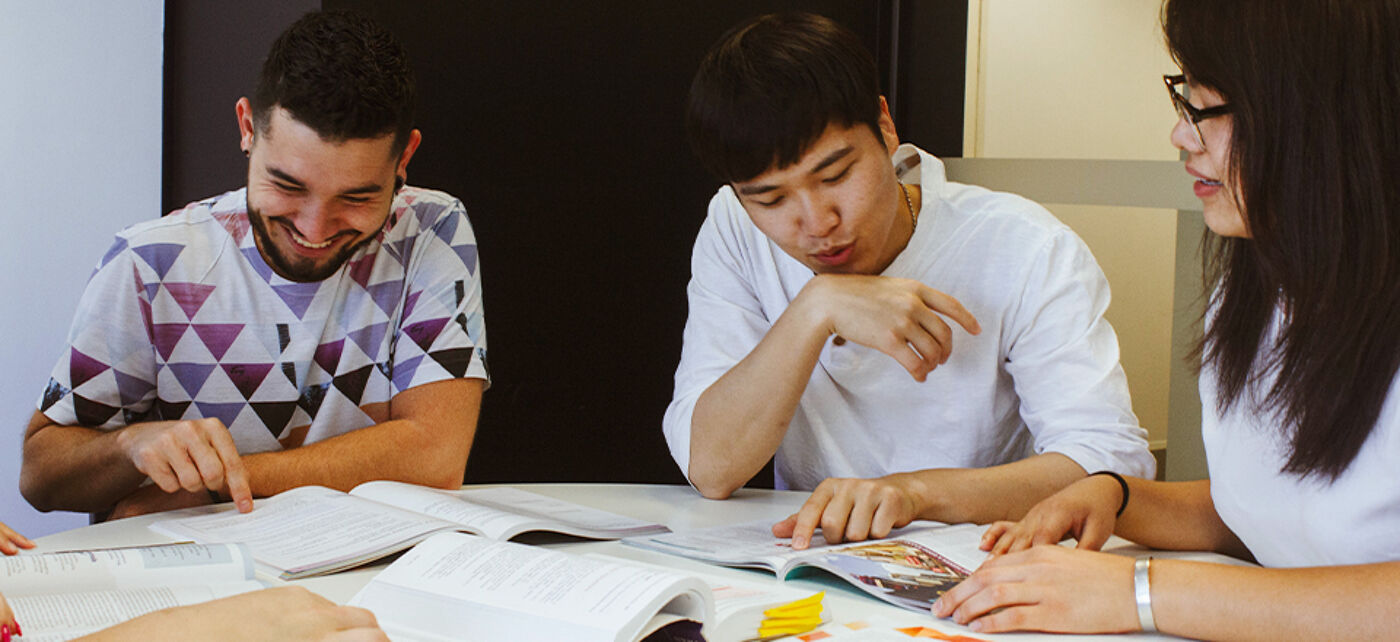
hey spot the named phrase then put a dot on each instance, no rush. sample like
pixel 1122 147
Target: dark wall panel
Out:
pixel 213 51
pixel 931 74
pixel 559 125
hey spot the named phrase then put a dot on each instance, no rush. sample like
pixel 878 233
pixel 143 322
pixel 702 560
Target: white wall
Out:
pixel 1081 79
pixel 80 158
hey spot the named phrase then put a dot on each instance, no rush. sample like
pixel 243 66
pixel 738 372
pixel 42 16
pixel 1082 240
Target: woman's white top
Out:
pixel 1288 521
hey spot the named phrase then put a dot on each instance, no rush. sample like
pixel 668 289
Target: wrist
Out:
pixel 924 493
pixel 810 309
pixel 1142 594
pixel 1122 486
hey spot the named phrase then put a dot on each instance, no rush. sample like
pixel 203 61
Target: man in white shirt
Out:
pixel 831 244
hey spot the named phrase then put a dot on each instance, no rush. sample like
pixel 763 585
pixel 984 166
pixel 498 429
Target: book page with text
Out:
pixel 117 568
pixel 63 616
pixel 478 589
pixel 310 530
pixel 504 512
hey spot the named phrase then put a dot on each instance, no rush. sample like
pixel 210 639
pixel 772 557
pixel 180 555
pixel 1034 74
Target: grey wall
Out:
pixel 80 141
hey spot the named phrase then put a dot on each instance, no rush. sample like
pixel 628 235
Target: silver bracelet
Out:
pixel 1142 588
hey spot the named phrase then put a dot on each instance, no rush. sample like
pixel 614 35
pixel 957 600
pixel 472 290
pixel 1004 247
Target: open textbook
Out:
pixel 60 596
pixel 314 530
pixel 911 568
pixel 454 586
pixel 459 587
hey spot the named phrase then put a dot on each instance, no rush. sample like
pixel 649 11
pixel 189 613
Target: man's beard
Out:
pixel 298 269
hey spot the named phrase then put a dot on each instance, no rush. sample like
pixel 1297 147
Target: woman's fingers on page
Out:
pixel 992 536
pixel 1096 533
pixel 6 616
pixel 294 613
pixel 1018 537
pixel 1046 588
pixel 351 617
pixel 357 635
pixel 7 533
pixel 11 542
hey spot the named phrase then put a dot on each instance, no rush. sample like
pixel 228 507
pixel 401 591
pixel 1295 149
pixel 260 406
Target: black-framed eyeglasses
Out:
pixel 1191 113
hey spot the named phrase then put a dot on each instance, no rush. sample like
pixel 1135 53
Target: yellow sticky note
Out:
pixel 804 603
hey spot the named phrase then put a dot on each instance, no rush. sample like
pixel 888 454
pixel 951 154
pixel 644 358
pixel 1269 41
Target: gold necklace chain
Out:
pixel 913 214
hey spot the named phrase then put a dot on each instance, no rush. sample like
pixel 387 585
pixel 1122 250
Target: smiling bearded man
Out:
pixel 321 326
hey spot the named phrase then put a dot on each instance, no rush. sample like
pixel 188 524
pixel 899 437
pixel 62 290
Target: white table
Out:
pixel 679 507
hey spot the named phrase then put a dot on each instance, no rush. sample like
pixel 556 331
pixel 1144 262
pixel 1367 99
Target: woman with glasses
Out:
pixel 1292 131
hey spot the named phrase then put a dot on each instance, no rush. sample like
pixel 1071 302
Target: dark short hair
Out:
pixel 769 88
pixel 342 75
pixel 1314 94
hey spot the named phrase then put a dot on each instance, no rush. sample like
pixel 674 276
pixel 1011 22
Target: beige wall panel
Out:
pixel 1136 247
pixel 1072 79
pixel 1081 79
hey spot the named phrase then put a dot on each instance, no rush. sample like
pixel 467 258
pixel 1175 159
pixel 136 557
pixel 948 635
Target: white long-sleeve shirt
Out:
pixel 1043 376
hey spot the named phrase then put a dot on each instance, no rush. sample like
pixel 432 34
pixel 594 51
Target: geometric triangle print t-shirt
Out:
pixel 184 319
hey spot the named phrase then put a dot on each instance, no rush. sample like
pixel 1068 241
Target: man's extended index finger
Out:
pixel 235 475
pixel 951 308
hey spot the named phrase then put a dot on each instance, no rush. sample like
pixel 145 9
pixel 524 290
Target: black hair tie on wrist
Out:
pixel 1122 483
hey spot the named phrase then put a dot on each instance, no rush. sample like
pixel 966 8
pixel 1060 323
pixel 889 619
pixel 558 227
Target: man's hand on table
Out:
pixel 852 510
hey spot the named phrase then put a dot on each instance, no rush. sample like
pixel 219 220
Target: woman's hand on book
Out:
pixel 1085 510
pixel 1046 588
pixel 11 542
pixel 285 613
pixel 852 510
pixel 8 626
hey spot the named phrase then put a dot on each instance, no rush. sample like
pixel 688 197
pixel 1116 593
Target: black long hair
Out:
pixel 1314 87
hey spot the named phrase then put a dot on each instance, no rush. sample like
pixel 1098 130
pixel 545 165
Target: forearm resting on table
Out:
pixel 1220 602
pixel 983 495
pixel 423 437
pixel 1176 516
pixel 74 467
pixel 740 420
pixel 399 450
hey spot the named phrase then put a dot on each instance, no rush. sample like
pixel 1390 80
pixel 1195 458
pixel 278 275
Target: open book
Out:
pixel 909 569
pixel 60 596
pixel 459 587
pixel 314 530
